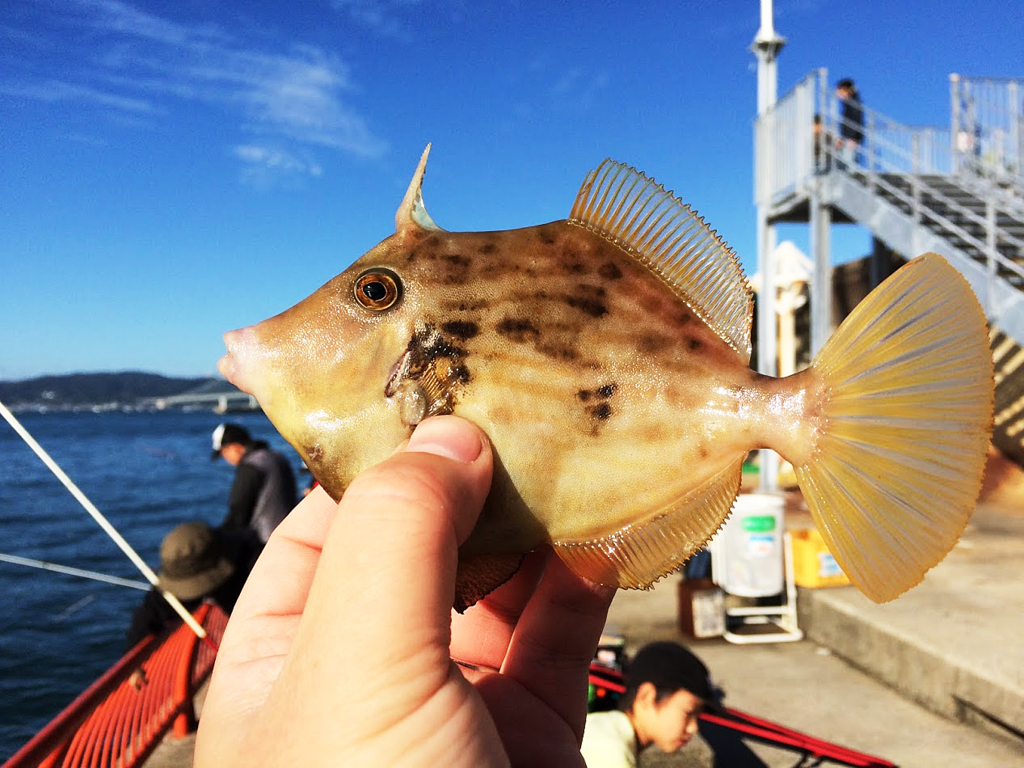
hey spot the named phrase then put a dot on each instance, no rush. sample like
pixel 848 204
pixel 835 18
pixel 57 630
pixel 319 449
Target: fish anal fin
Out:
pixel 656 228
pixel 479 575
pixel 636 556
pixel 896 471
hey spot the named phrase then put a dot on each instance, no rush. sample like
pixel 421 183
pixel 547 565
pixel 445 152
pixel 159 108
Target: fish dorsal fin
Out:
pixel 412 213
pixel 637 555
pixel 622 205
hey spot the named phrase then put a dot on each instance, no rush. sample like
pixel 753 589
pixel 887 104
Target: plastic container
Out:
pixel 746 555
pixel 813 565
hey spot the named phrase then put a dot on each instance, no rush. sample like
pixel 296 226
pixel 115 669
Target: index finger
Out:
pixel 290 557
pixel 556 638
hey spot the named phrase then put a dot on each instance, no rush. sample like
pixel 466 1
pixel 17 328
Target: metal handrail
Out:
pixel 787 165
pixel 910 157
pixel 987 117
pixel 114 723
pixel 886 156
pixel 914 202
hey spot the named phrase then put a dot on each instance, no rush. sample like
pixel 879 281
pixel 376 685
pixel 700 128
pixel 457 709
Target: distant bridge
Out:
pixel 220 401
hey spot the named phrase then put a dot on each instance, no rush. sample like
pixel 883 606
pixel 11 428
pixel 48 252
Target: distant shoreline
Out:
pixel 127 391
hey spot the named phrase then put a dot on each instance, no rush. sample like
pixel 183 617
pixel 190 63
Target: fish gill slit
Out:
pixel 436 365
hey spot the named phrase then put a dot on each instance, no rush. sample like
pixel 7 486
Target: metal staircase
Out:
pixel 957 191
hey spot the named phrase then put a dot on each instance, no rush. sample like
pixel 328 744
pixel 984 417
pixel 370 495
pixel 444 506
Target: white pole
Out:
pixel 767 30
pixel 67 569
pixel 766 47
pixel 102 521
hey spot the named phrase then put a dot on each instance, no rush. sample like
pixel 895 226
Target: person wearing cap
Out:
pixel 196 563
pixel 667 687
pixel 264 489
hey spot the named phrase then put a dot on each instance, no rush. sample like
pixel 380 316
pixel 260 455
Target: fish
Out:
pixel 607 358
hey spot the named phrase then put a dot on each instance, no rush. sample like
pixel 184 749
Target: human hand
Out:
pixel 138 679
pixel 338 650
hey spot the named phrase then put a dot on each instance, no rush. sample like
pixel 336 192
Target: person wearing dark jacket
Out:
pixel 264 490
pixel 851 123
pixel 197 563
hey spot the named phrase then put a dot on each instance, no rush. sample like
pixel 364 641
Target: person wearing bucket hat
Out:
pixel 264 490
pixel 196 563
pixel 667 687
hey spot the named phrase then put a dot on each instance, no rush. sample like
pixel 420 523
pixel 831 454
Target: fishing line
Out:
pixel 109 529
pixel 74 607
pixel 58 568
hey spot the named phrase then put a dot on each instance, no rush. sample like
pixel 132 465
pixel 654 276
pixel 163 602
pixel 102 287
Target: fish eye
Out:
pixel 378 289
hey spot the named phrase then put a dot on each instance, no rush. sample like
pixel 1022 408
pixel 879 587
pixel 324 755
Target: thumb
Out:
pixel 390 558
pixel 372 643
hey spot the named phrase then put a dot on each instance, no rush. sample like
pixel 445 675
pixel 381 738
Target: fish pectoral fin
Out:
pixel 636 556
pixel 479 575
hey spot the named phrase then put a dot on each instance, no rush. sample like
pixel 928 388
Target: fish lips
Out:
pixel 237 366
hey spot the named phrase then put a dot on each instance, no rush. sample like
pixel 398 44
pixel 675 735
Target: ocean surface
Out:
pixel 146 472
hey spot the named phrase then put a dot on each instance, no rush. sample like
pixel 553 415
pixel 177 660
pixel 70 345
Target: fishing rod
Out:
pixel 109 529
pixel 67 569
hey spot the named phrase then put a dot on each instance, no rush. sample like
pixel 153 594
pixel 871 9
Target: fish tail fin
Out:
pixel 898 465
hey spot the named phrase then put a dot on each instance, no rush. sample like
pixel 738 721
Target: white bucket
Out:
pixel 746 555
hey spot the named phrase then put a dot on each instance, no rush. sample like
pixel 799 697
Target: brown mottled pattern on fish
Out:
pixel 539 344
pixel 605 356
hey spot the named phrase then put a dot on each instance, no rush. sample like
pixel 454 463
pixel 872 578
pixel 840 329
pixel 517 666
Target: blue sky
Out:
pixel 172 170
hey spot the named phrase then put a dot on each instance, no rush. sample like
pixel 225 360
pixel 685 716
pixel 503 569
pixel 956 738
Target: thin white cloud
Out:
pixel 118 17
pixel 578 88
pixel 86 139
pixel 261 164
pixel 139 62
pixel 54 91
pixel 384 17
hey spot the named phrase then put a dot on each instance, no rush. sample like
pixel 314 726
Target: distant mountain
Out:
pixel 87 389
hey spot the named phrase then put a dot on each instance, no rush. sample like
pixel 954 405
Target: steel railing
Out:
pixel 987 115
pixel 914 167
pixel 789 152
pixel 122 717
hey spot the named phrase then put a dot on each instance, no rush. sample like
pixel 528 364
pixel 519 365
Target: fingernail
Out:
pixel 447 436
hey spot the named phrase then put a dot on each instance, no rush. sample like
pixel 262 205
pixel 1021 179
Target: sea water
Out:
pixel 146 472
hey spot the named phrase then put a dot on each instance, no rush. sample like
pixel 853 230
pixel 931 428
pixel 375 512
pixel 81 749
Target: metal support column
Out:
pixel 955 126
pixel 821 281
pixel 766 47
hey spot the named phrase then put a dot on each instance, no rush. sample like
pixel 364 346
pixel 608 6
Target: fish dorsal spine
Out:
pixel 412 213
pixel 623 205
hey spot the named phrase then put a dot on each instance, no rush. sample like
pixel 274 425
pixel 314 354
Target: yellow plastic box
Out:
pixel 813 565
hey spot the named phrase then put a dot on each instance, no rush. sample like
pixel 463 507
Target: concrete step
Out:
pixel 933 678
pixel 954 644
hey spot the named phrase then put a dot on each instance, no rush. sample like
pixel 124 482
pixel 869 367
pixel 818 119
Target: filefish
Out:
pixel 606 356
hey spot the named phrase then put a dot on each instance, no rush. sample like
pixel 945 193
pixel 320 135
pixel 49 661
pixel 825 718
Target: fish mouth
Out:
pixel 234 367
pixel 226 366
